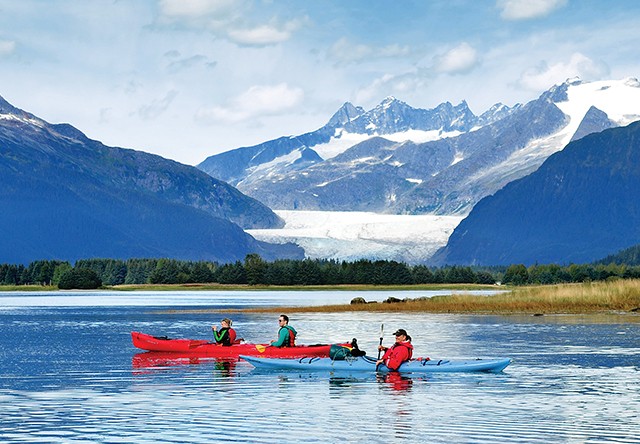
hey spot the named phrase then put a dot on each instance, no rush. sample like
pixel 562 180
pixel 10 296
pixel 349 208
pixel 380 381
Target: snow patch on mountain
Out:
pixel 269 169
pixel 28 120
pixel 343 140
pixel 619 99
pixel 355 235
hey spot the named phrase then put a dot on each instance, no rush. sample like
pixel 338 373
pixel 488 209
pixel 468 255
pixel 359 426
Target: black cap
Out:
pixel 400 331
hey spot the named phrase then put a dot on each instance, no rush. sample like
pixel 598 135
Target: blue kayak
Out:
pixel 367 364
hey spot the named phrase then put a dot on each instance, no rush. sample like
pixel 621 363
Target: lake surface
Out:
pixel 68 373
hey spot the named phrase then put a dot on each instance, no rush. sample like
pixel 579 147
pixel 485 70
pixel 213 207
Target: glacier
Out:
pixel 353 235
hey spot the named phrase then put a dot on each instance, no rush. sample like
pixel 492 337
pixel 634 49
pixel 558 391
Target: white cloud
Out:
pixel 259 36
pixel 157 107
pixel 196 12
pixel 189 62
pixel 527 9
pixel 7 47
pixel 460 59
pixel 226 18
pixel 344 51
pixel 402 86
pixel 544 75
pixel 264 35
pixel 257 101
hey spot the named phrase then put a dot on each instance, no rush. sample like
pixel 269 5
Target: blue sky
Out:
pixel 186 79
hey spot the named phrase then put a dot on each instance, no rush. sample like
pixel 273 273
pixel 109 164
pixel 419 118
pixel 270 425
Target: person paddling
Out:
pixel 227 335
pixel 286 335
pixel 398 353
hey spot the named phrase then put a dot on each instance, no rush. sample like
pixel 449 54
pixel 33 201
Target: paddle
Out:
pixel 381 338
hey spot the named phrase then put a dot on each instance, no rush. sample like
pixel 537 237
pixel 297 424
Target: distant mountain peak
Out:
pixel 573 81
pixel 345 114
pixel 7 108
pixel 391 102
pixel 389 99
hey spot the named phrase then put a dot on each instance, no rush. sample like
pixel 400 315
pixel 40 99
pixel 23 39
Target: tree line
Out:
pixel 93 273
pixel 556 274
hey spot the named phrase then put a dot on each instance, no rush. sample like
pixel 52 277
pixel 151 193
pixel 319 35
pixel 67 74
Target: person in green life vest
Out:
pixel 226 335
pixel 286 334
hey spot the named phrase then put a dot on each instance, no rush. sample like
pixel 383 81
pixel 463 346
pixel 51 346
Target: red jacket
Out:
pixel 397 354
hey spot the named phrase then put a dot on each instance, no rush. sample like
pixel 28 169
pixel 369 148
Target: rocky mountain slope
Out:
pixel 65 196
pixel 579 206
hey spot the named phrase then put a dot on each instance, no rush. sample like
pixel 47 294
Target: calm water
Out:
pixel 68 373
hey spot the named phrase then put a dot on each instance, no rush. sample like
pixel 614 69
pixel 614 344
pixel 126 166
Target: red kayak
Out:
pixel 203 348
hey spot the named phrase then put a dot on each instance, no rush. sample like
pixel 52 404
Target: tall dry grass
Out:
pixel 595 297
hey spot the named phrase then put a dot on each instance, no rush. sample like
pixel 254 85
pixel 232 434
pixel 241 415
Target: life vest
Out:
pixel 291 342
pixel 393 356
pixel 232 336
pixel 404 344
pixel 229 338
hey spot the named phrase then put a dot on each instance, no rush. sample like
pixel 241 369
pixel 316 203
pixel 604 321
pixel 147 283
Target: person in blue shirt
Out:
pixel 286 335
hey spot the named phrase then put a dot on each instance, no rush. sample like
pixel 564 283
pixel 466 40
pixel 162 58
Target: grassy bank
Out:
pixel 28 288
pixel 599 297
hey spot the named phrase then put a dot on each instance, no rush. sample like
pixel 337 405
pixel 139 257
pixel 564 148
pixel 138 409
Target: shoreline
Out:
pixel 246 287
pixel 608 297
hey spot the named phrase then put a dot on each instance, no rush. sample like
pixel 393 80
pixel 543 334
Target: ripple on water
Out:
pixel 571 381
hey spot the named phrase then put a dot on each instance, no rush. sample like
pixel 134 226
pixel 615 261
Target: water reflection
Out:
pixel 71 374
pixel 396 381
pixel 156 360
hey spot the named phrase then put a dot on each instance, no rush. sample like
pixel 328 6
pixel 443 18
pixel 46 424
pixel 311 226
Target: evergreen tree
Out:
pixel 516 275
pixel 422 275
pixel 139 270
pixel 59 271
pixel 79 278
pixel 231 274
pixel 202 273
pixel 255 268
pixel 166 272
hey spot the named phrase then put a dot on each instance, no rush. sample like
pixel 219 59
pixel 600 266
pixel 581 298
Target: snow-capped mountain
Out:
pixel 403 160
pixel 248 167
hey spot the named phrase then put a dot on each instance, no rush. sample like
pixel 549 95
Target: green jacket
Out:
pixel 284 337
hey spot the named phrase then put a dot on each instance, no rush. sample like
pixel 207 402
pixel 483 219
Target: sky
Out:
pixel 186 79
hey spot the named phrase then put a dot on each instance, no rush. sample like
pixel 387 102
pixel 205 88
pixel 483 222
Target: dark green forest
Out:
pixel 94 273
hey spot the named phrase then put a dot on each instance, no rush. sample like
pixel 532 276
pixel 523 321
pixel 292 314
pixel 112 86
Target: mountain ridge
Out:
pixel 455 159
pixel 123 202
pixel 579 206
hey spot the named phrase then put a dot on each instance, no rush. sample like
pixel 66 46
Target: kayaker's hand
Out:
pixel 379 361
pixel 214 328
pixel 382 347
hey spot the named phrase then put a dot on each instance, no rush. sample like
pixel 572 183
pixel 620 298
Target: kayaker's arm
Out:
pixel 283 337
pixel 218 336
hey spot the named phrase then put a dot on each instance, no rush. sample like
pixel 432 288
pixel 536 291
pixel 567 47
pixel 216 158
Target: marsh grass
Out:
pixel 596 297
pixel 28 288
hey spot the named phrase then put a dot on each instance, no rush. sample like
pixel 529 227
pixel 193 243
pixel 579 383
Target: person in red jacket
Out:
pixel 399 352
